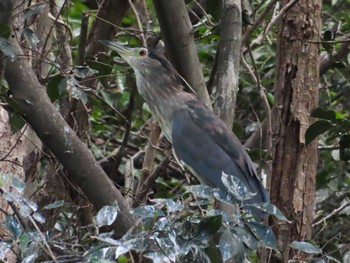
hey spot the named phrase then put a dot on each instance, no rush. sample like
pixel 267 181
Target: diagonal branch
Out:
pixel 37 109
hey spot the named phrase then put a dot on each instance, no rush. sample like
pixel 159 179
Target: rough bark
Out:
pixel 229 57
pixel 41 114
pixel 180 45
pixel 296 94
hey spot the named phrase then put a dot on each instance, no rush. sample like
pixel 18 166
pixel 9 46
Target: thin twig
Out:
pixel 139 24
pixel 273 21
pixel 46 246
pixel 120 154
pixel 83 38
pixel 142 192
pixel 258 21
pixel 148 161
pixel 336 211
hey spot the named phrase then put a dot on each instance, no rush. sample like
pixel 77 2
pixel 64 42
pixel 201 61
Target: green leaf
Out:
pixel 16 121
pixel 247 237
pixel 317 129
pixel 305 247
pixel 209 226
pixel 200 190
pixel 56 204
pixel 7 49
pixel 107 215
pixel 52 87
pixel 31 37
pixel 344 150
pixel 324 114
pixel 147 211
pixel 236 187
pixel 270 209
pixel 231 247
pixel 263 233
pixel 5 31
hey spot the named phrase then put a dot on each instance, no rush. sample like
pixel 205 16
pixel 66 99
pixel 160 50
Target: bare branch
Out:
pixel 336 211
pixel 228 61
pixel 180 45
pixel 37 109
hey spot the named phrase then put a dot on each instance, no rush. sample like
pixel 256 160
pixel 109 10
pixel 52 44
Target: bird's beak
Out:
pixel 123 51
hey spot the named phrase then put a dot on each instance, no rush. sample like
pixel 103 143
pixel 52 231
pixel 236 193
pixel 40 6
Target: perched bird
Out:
pixel 200 139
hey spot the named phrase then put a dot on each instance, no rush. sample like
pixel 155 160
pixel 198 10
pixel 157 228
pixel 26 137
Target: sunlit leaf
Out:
pixel 39 218
pixel 270 209
pixel 31 258
pixel 263 233
pixel 55 204
pixel 247 237
pixel 171 205
pixel 147 211
pixel 4 248
pixel 13 225
pixel 7 49
pixel 236 187
pixel 32 38
pixel 224 196
pixel 231 247
pixel 305 247
pixel 107 215
pixel 202 191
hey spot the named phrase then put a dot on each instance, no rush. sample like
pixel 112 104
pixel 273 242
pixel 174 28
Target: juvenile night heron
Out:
pixel 200 139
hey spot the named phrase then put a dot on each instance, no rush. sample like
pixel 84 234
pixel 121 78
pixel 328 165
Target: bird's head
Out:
pixel 142 60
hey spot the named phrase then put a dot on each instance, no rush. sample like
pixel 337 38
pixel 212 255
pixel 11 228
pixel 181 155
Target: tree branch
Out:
pixel 37 109
pixel 179 42
pixel 328 61
pixel 229 57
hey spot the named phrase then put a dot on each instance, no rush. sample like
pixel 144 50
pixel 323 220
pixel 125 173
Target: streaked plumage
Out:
pixel 199 137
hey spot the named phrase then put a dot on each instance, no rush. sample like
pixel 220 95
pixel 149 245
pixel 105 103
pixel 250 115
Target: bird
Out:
pixel 199 137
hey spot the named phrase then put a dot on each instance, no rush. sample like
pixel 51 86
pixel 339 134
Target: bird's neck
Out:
pixel 163 99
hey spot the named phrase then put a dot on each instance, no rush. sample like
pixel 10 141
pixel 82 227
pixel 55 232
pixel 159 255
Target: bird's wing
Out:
pixel 204 143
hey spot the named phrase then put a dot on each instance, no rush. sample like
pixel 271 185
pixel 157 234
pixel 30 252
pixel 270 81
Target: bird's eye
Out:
pixel 143 52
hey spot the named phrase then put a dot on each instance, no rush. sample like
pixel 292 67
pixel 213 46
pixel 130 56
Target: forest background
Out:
pixel 85 173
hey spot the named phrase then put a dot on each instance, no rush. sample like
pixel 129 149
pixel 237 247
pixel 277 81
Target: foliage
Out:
pixel 167 231
pixel 185 227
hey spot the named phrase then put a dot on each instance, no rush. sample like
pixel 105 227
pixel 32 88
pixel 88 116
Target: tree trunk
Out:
pixel 296 95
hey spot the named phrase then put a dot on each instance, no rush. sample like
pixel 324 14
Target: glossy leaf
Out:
pixel 236 187
pixel 107 215
pixel 171 205
pixel 263 233
pixel 147 211
pixel 305 247
pixel 317 129
pixel 247 237
pixel 7 49
pixel 55 204
pixel 324 114
pixel 202 191
pixel 231 247
pixel 209 226
pixel 31 37
pixel 270 209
